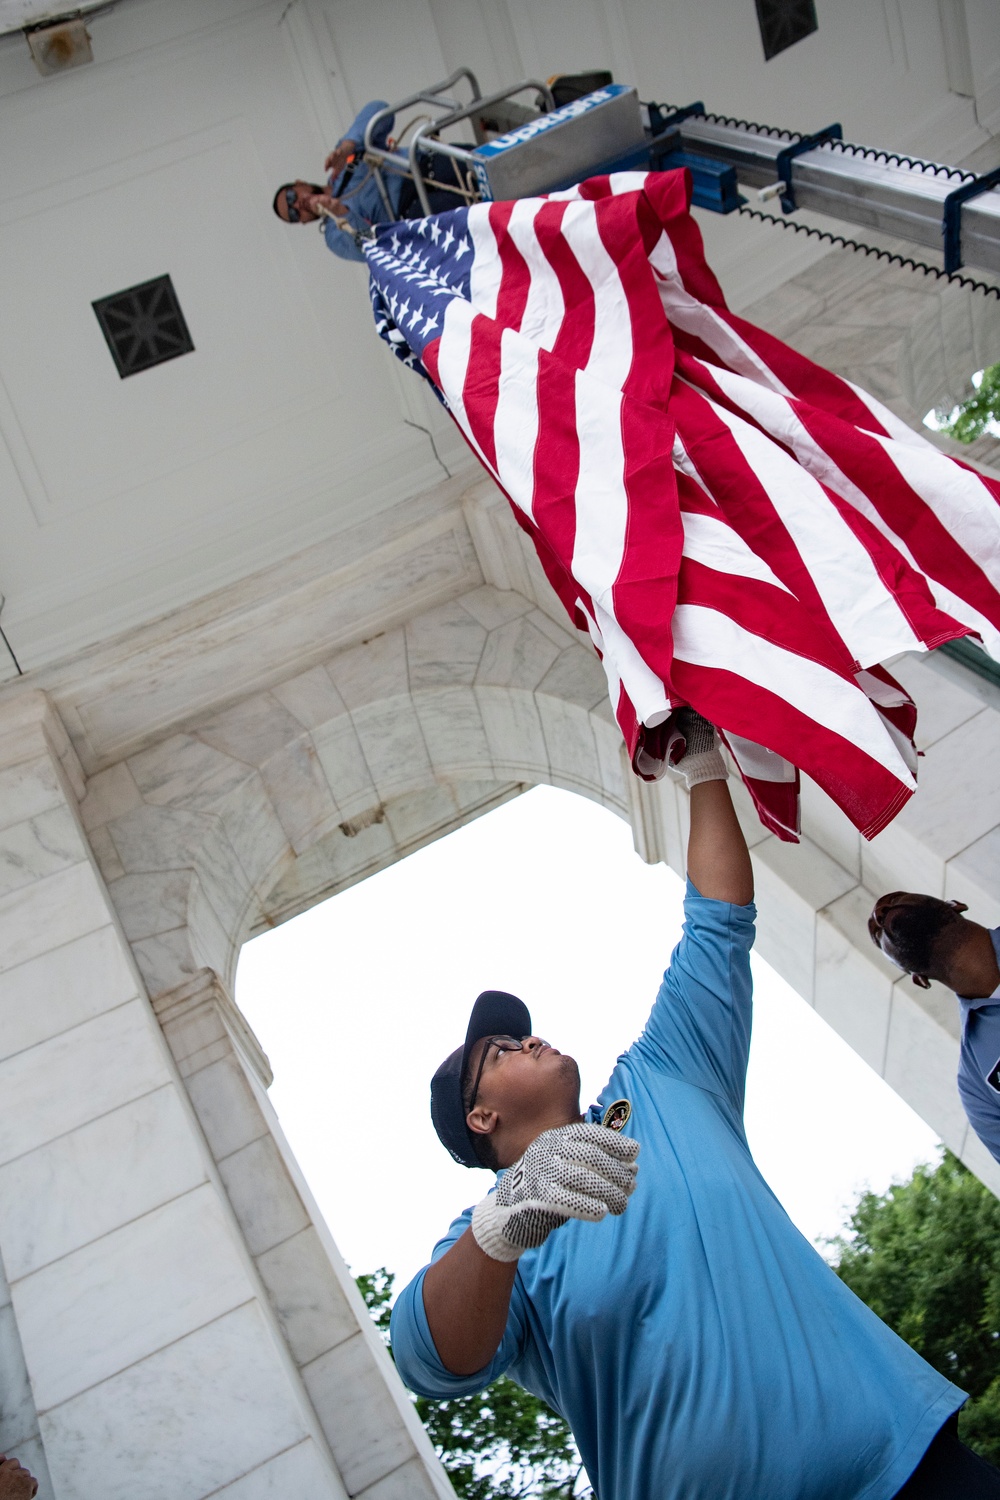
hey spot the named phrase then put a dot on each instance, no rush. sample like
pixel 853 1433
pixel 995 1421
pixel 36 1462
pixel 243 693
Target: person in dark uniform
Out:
pixel 931 939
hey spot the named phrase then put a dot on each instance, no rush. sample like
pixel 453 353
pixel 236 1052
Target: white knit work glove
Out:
pixel 573 1172
pixel 702 760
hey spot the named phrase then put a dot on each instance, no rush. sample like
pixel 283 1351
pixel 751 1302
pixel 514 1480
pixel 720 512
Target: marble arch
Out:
pixel 254 813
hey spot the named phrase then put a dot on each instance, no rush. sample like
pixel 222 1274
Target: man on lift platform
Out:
pixel 698 1346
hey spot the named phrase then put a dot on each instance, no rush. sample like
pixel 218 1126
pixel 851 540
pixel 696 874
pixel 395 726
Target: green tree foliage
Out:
pixel 972 417
pixel 498 1444
pixel 925 1256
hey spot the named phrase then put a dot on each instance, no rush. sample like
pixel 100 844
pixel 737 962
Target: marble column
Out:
pixel 379 1446
pixel 141 1354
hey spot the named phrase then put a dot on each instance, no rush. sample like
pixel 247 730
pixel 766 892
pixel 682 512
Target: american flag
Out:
pixel 734 527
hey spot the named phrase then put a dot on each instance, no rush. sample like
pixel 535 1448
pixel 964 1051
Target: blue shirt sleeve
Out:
pixel 984 1117
pixel 340 242
pixel 980 1057
pixel 413 1348
pixel 356 130
pixel 699 1027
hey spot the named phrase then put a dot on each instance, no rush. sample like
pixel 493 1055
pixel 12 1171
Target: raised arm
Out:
pixel 718 860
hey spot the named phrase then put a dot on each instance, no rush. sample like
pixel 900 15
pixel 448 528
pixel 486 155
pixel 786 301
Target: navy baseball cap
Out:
pixel 495 1013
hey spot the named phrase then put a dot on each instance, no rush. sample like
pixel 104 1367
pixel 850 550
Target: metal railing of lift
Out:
pixel 427 136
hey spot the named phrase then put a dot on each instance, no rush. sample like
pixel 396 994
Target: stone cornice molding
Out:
pixel 131 691
pixel 197 1016
pixel 29 727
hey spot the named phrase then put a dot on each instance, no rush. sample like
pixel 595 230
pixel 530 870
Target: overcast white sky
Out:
pixel 357 1001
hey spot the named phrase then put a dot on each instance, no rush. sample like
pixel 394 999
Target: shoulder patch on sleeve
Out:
pixel 617 1115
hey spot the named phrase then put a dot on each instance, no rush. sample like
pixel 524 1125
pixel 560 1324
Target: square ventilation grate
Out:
pixel 144 326
pixel 783 23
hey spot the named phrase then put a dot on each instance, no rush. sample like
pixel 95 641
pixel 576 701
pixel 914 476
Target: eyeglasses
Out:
pixel 502 1044
pixel 292 205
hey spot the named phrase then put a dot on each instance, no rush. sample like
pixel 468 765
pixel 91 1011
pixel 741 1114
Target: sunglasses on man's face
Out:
pixel 292 205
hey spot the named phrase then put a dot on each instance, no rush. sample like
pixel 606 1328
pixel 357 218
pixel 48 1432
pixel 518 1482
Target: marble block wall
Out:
pixel 141 1353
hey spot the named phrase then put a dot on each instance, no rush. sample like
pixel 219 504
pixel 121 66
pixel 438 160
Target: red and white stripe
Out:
pixel 735 528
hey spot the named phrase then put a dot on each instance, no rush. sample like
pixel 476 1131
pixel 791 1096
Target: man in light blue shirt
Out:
pixel 698 1346
pixel 930 939
pixel 352 190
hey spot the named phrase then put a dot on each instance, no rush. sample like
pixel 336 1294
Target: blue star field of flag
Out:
pixel 415 266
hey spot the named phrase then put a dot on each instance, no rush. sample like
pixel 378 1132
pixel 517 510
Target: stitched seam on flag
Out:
pixel 875 825
pixel 854 795
pixel 986 505
pixel 781 643
pixel 515 419
pixel 616 225
pixel 484 276
pixel 840 540
pixel 766 513
pixel 647 691
pixel 611 355
pixel 702 321
pixel 837 480
pixel 545 307
pixel 700 545
pixel 894 427
pixel 809 381
pixel 867 508
pixel 515 274
pixel 837 588
pixel 955 606
pixel 695 651
pixel 458 312
pixel 615 684
pixel 805 447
